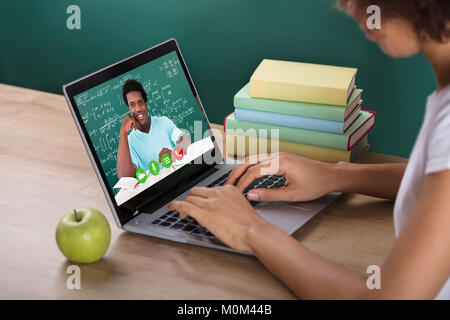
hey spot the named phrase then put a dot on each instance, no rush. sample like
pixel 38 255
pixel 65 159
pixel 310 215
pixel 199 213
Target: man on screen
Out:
pixel 151 136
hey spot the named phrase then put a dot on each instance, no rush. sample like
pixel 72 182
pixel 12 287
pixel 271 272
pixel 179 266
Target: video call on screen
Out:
pixel 103 109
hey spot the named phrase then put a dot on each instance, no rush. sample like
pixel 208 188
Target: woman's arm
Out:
pixel 309 179
pixel 416 268
pixel 377 180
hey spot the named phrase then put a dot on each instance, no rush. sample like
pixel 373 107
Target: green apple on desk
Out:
pixel 83 235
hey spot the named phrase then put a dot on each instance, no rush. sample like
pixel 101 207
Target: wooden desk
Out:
pixel 45 172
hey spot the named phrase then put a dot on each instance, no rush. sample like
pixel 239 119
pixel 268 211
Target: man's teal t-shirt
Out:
pixel 145 147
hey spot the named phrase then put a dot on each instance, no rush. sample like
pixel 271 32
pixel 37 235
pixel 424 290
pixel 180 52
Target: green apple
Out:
pixel 83 235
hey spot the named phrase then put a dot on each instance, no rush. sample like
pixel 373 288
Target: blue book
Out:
pixel 287 120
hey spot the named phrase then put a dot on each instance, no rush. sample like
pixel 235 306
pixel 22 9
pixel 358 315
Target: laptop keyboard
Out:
pixel 172 220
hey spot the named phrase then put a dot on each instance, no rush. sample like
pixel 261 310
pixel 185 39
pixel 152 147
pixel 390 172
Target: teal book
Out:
pixel 242 99
pixel 363 124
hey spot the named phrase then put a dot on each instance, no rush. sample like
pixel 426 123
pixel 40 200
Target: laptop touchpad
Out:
pixel 289 216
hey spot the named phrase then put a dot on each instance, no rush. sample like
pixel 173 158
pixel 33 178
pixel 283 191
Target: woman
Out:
pixel 418 266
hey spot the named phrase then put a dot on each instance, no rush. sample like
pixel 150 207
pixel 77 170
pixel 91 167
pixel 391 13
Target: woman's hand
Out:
pixel 306 179
pixel 225 212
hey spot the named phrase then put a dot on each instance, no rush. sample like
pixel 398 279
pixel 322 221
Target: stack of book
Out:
pixel 316 109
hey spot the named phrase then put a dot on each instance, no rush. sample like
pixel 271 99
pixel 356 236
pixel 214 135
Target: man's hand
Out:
pixel 129 121
pixel 165 150
pixel 225 212
pixel 184 142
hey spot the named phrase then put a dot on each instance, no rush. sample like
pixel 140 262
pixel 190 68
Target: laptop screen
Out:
pixel 144 125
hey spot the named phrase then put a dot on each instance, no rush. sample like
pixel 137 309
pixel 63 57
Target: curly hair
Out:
pixel 429 18
pixel 132 85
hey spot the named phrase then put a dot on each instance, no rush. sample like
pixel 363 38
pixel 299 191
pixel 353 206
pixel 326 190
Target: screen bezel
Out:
pixel 160 190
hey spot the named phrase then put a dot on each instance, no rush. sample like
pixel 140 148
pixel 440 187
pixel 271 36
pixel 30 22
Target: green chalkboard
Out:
pixel 222 41
pixel 168 94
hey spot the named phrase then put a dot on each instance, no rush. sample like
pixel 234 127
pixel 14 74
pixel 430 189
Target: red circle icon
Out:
pixel 178 153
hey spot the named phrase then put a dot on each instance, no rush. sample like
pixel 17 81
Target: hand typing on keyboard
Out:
pixel 226 213
pixel 305 179
pixel 268 181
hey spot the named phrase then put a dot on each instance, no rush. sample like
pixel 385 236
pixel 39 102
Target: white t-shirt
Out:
pixel 431 153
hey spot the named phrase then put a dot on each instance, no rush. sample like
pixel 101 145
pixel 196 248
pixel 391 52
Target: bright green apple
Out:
pixel 83 235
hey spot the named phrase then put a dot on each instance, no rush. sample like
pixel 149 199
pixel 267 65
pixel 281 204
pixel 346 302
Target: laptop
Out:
pixel 139 181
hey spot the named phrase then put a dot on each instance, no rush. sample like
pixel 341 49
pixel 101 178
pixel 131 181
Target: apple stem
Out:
pixel 76 215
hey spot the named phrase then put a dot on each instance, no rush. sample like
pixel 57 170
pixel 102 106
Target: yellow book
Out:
pixel 241 145
pixel 303 82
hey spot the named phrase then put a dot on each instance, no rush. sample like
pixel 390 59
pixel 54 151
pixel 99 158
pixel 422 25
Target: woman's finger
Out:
pixel 237 172
pixel 203 192
pixel 276 194
pixel 255 172
pixel 197 201
pixel 186 208
pixel 248 162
